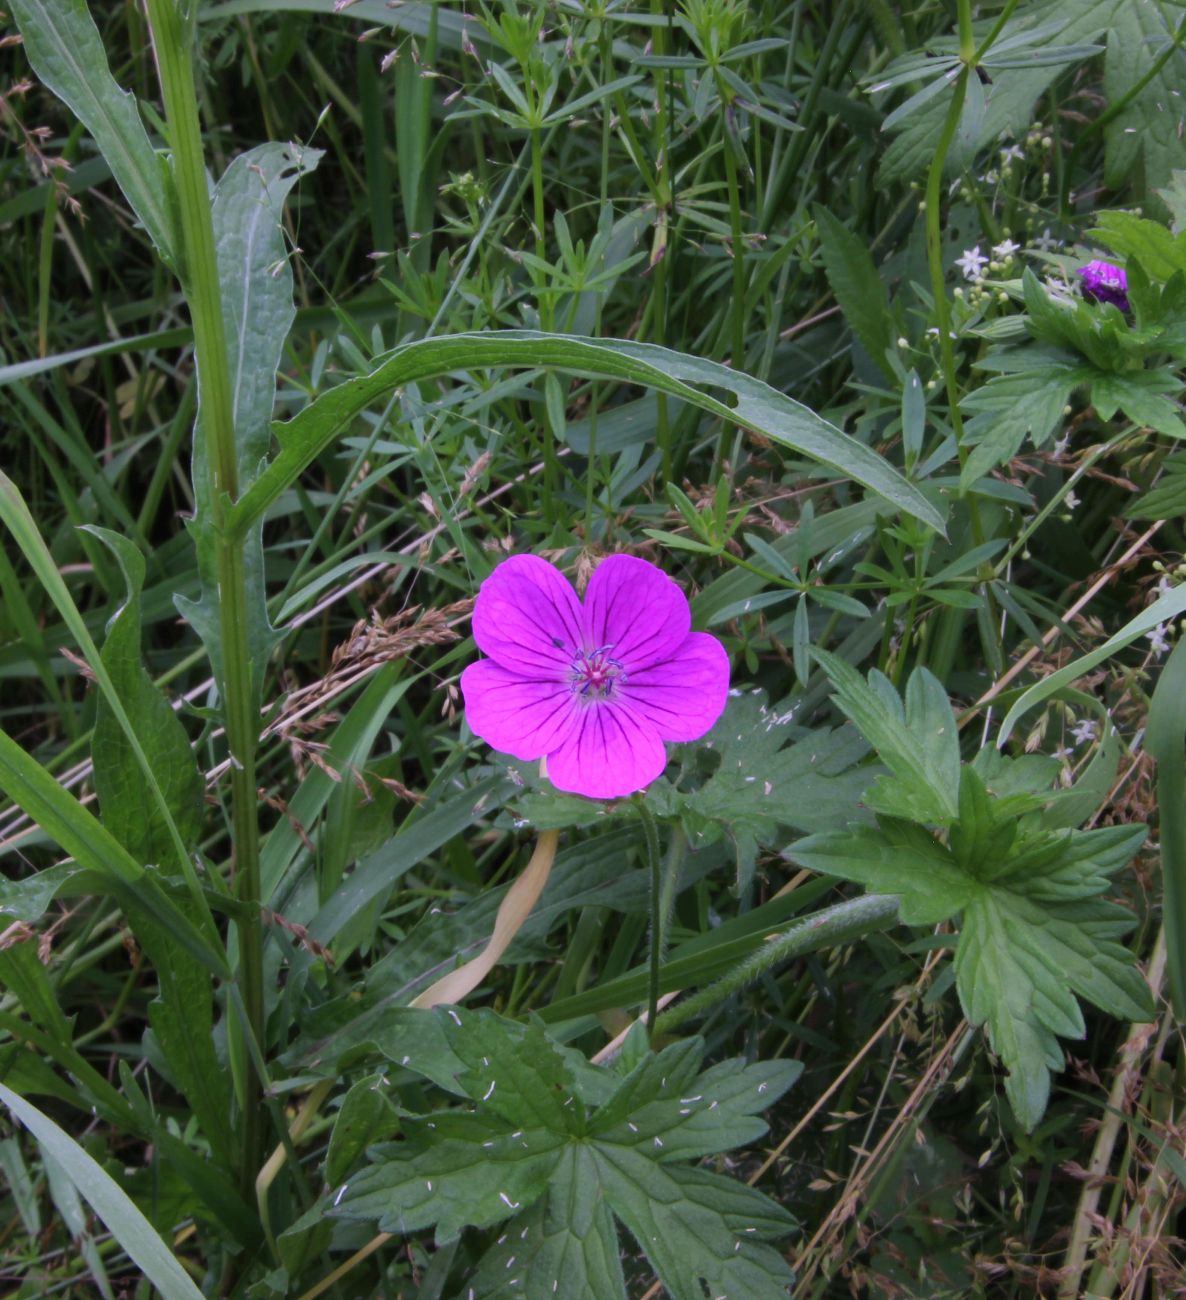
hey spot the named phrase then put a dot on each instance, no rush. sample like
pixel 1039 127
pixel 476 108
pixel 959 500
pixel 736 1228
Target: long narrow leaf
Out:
pixel 66 51
pixel 109 1201
pixel 92 846
pixel 1167 732
pixel 757 406
pixel 1163 610
pixel 15 514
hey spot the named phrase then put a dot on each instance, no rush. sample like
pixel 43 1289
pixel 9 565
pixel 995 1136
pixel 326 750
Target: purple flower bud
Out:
pixel 597 687
pixel 1104 282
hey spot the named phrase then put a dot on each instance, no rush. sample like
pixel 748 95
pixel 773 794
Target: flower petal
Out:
pixel 636 608
pixel 611 752
pixel 527 616
pixel 516 714
pixel 683 696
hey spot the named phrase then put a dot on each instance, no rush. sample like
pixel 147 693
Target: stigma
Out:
pixel 595 674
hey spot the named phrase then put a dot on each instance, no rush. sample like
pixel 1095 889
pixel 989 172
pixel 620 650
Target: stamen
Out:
pixel 595 674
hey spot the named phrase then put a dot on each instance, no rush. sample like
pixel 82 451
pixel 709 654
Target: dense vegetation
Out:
pixel 865 323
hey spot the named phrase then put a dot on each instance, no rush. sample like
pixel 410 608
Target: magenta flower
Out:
pixel 595 688
pixel 1105 282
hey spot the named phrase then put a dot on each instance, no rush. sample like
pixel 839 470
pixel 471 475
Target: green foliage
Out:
pixel 67 53
pixel 744 781
pixel 255 293
pixel 128 808
pixel 576 279
pixel 1033 932
pixel 129 1227
pixel 857 286
pixel 528 1154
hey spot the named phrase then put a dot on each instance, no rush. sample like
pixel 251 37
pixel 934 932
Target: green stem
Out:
pixel 651 834
pixel 198 268
pixel 544 296
pixel 662 215
pixel 827 929
pixel 676 852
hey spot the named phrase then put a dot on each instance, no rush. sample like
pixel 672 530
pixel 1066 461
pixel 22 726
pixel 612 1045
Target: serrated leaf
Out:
pixel 560 1180
pixel 564 1245
pixel 1010 408
pixel 697 1228
pixel 857 285
pixel 760 783
pixel 1160 252
pixel 1143 396
pixel 917 741
pixel 129 809
pixel 1146 133
pixel 1033 931
pixel 898 859
pixel 454 1171
pixel 1016 967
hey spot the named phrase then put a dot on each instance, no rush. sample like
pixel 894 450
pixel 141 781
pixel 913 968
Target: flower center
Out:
pixel 595 675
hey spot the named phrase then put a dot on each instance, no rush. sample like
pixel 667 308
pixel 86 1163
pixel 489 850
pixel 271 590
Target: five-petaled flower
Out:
pixel 972 263
pixel 595 688
pixel 1105 282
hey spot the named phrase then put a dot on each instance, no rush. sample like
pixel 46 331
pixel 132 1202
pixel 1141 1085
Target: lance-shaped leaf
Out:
pixel 752 405
pixel 255 284
pixel 128 807
pixel 66 51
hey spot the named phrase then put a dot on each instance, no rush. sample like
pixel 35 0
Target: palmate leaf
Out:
pixel 1034 933
pixel 760 783
pixel 529 1153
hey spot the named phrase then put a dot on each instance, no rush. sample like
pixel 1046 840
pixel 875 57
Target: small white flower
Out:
pixel 1046 241
pixel 1012 152
pixel 1005 249
pixel 1159 640
pixel 1063 754
pixel 972 263
pixel 1071 500
pixel 1164 586
pixel 1084 731
pixel 1059 291
pixel 1060 447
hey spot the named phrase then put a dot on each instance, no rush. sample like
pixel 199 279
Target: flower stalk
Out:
pixel 651 834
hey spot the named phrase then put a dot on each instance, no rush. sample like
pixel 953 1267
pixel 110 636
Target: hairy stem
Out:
pixel 837 925
pixel 651 834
